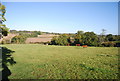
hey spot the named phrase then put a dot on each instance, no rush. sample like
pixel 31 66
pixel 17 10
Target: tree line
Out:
pixel 87 38
pixel 81 37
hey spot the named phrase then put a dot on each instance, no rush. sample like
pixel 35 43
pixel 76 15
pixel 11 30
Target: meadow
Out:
pixel 34 61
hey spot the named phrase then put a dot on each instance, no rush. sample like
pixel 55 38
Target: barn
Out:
pixel 8 38
pixel 43 39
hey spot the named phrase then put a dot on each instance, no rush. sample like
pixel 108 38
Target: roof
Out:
pixel 33 40
pixel 47 36
pixel 8 37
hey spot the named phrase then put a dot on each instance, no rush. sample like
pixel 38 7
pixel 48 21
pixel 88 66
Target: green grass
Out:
pixel 36 61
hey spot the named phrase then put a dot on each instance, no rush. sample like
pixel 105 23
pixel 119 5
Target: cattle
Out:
pixel 77 44
pixel 84 46
pixel 68 44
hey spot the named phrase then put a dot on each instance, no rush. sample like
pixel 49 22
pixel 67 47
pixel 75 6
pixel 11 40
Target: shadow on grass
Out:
pixel 7 59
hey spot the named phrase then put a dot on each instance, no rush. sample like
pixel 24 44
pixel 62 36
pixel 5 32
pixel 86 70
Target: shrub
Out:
pixel 108 44
pixel 18 39
pixel 61 40
pixel 117 43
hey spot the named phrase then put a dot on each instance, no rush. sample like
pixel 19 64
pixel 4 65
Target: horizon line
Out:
pixel 64 32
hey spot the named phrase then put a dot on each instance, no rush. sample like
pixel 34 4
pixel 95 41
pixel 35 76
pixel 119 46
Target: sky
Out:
pixel 63 17
pixel 60 0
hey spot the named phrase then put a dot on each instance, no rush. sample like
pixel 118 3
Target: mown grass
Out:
pixel 36 61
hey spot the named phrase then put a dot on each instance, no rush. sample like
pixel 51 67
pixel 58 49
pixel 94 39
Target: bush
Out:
pixel 61 40
pixel 117 43
pixel 18 39
pixel 108 44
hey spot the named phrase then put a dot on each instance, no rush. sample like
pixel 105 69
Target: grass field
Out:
pixel 34 61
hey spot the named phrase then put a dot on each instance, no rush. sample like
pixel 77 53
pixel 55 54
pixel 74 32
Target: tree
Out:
pixel 4 31
pixel 102 36
pixel 54 41
pixel 18 39
pixel 79 37
pixel 110 37
pixel 61 40
pixel 90 38
pixel 117 37
pixel 3 28
pixel 80 32
pixel 103 32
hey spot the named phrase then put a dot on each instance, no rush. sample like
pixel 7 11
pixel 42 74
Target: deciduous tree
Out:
pixel 3 28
